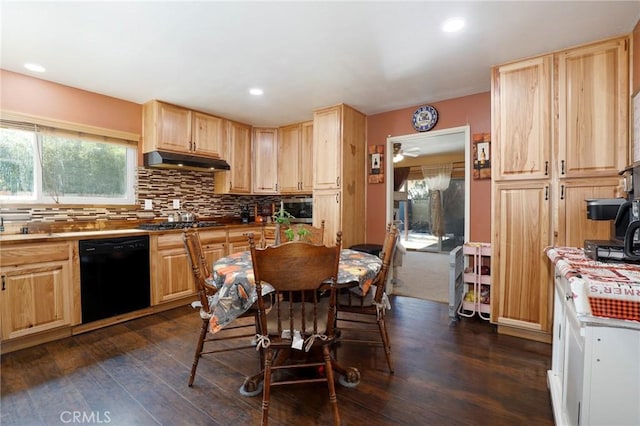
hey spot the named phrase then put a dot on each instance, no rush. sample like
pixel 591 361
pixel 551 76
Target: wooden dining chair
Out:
pixel 239 335
pixel 301 319
pixel 311 234
pixel 358 315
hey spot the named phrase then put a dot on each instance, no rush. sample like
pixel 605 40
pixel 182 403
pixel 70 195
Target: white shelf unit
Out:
pixel 477 281
pixel 456 283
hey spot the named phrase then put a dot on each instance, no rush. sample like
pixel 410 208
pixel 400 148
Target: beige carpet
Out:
pixel 423 275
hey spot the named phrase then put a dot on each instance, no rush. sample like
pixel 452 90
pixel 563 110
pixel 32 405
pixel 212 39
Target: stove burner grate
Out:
pixel 177 225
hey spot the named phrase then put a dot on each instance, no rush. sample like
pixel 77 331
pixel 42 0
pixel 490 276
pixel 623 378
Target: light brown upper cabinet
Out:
pixel 265 160
pixel 295 158
pixel 521 139
pixel 593 99
pixel 327 148
pixel 238 153
pixel 168 127
pixel 208 135
pixel 559 137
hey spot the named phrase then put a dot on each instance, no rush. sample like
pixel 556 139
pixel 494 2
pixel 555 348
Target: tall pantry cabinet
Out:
pixel 559 136
pixel 339 173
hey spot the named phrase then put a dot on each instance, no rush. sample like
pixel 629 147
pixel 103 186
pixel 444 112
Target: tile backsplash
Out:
pixel 194 189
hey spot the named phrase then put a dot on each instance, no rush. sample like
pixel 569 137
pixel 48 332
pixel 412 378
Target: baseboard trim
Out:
pixel 538 336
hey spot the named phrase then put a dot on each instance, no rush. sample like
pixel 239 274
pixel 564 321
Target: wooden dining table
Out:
pixel 233 276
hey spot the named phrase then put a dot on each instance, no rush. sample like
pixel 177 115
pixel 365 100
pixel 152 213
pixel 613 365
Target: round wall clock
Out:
pixel 425 118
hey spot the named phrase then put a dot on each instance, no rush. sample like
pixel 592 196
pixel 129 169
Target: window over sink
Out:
pixel 48 165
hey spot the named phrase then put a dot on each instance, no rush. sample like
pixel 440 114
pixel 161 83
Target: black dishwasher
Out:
pixel 114 276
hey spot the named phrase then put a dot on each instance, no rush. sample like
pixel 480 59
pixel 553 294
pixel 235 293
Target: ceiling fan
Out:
pixel 399 153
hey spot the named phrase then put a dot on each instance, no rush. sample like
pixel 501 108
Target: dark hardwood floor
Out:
pixel 135 373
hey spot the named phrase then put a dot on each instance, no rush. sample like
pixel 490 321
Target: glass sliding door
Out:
pixel 422 231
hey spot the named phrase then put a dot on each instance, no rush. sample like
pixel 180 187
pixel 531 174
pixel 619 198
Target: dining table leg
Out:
pixel 252 385
pixel 348 377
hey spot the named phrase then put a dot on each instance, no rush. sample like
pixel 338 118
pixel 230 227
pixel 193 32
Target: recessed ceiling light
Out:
pixel 452 25
pixel 35 67
pixel 256 91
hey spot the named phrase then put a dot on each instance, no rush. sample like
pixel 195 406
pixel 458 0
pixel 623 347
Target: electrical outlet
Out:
pixel 176 204
pixel 148 204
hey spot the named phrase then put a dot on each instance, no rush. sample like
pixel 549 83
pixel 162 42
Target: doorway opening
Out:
pixel 419 213
pixel 428 198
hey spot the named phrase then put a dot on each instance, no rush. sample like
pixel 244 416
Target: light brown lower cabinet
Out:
pixel 573 225
pixel 520 269
pixel 36 293
pixel 238 238
pixel 171 276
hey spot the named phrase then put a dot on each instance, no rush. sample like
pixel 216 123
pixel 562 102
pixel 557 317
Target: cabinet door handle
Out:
pixel 562 192
pixel 337 198
pixel 546 193
pixel 562 167
pixel 546 168
pixel 338 181
pixel 3 284
pixel 559 331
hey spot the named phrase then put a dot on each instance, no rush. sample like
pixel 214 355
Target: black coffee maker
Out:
pixel 624 213
pixel 244 213
pixel 615 210
pixel 631 236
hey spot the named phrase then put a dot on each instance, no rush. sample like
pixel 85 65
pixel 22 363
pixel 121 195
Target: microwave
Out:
pixel 300 208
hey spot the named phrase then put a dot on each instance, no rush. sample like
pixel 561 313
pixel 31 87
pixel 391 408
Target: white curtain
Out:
pixel 437 178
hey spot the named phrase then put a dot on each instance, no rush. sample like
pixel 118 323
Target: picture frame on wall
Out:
pixel 376 164
pixel 482 156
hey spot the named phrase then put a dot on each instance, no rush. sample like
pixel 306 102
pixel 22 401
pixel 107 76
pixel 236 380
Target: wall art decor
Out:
pixel 376 163
pixel 482 156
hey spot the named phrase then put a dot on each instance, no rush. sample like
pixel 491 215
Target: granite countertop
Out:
pixel 80 234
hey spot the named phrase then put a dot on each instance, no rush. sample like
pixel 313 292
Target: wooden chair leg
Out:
pixel 385 342
pixel 333 399
pixel 266 386
pixel 199 346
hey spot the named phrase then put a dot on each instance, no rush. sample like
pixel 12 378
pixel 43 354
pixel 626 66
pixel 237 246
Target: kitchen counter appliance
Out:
pixel 300 208
pixel 624 214
pixel 114 276
pixel 616 211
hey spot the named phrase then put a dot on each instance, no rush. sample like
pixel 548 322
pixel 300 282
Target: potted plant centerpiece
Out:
pixel 283 218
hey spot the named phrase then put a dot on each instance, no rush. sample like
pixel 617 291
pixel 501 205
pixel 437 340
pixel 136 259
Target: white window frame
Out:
pixel 41 198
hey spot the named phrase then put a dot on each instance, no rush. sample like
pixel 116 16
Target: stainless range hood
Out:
pixel 172 160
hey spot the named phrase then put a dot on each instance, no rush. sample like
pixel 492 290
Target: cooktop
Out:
pixel 159 226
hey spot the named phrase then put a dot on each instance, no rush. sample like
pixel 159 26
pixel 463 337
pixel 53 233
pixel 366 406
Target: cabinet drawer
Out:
pixel 34 253
pixel 217 236
pixel 173 239
pixel 241 233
